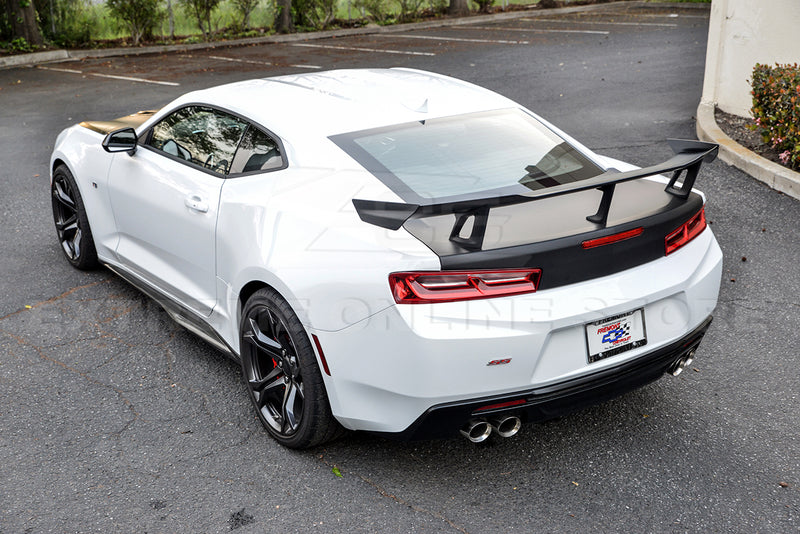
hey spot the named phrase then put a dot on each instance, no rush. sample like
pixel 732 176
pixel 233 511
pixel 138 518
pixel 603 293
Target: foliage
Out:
pixel 378 10
pixel 201 10
pixel 69 22
pixel 409 9
pixel 484 5
pixel 20 44
pixel 244 8
pixel 776 109
pixel 438 7
pixel 316 14
pixel 139 16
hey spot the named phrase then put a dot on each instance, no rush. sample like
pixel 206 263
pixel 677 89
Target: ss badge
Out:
pixel 499 362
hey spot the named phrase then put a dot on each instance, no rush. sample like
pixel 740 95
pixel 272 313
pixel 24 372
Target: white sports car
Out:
pixel 395 251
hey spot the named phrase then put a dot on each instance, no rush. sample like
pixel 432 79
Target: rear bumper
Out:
pixel 554 400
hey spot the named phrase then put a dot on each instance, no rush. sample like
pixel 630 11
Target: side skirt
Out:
pixel 179 313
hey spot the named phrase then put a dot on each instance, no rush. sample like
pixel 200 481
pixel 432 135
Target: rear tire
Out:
pixel 72 225
pixel 280 370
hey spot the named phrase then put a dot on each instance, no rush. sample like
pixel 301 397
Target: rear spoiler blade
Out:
pixel 689 156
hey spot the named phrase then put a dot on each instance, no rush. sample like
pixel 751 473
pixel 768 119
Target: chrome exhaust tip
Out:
pixel 477 430
pixel 507 426
pixel 682 363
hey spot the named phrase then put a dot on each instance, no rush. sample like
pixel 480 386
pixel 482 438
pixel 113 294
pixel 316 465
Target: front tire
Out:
pixel 280 371
pixel 72 225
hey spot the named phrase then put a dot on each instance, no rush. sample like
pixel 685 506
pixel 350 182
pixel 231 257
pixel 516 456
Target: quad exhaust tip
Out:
pixel 507 426
pixel 477 431
pixel 682 363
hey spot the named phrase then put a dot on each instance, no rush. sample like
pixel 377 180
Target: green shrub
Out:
pixel 316 14
pixel 68 23
pixel 138 16
pixel 776 109
pixel 201 10
pixel 379 10
pixel 483 5
pixel 20 45
pixel 409 9
pixel 243 9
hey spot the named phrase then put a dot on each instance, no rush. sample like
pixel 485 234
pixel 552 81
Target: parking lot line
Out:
pixel 455 39
pixel 71 71
pixel 672 16
pixel 359 49
pixel 257 62
pixel 600 22
pixel 538 30
pixel 132 79
pixel 112 76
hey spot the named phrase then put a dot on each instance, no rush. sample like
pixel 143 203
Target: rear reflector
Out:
pixel 687 231
pixel 450 286
pixel 607 240
pixel 321 355
pixel 499 405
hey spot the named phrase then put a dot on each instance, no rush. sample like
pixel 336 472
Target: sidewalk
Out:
pixel 776 176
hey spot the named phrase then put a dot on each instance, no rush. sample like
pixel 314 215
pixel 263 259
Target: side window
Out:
pixel 200 135
pixel 257 152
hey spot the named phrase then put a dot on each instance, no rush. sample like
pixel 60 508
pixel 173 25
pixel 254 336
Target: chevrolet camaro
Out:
pixel 395 251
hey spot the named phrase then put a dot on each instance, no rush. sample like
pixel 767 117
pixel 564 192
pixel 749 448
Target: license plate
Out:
pixel 615 335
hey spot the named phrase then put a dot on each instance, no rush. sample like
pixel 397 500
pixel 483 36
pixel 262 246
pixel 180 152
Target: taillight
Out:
pixel 609 239
pixel 686 232
pixel 450 286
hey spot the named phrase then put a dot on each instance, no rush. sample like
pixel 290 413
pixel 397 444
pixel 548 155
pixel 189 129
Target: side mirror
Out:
pixel 123 140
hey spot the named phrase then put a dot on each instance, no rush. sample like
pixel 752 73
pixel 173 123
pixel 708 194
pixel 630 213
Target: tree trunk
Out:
pixel 22 18
pixel 171 15
pixel 283 18
pixel 458 7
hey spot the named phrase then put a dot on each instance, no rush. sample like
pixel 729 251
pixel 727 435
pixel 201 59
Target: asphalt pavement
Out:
pixel 115 419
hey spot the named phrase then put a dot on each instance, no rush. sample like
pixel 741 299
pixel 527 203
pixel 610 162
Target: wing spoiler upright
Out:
pixel 689 156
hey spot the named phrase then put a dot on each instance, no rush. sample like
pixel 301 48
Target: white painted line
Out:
pixel 537 30
pixel 258 62
pixel 455 39
pixel 71 71
pixel 126 78
pixel 237 60
pixel 671 16
pixel 131 79
pixel 359 49
pixel 602 22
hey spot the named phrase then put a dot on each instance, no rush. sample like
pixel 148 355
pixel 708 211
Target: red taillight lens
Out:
pixel 607 240
pixel 449 286
pixel 687 231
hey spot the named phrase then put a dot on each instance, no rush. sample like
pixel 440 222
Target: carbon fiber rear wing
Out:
pixel 689 156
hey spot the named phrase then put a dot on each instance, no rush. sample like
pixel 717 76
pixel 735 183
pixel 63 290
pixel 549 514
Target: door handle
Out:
pixel 195 203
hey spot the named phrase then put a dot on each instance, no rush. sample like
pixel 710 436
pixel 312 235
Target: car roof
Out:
pixel 321 104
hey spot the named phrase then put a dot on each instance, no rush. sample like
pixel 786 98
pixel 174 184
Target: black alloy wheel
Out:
pixel 281 373
pixel 72 225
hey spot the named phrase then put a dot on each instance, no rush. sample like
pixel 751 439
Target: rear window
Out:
pixel 477 155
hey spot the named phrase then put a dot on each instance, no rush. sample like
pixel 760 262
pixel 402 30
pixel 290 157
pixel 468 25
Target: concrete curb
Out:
pixel 776 176
pixel 53 56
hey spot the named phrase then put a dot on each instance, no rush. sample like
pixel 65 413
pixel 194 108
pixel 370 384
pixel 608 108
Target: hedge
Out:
pixel 776 109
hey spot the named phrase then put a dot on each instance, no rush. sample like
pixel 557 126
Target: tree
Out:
pixel 201 10
pixel 22 19
pixel 139 16
pixel 283 16
pixel 458 7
